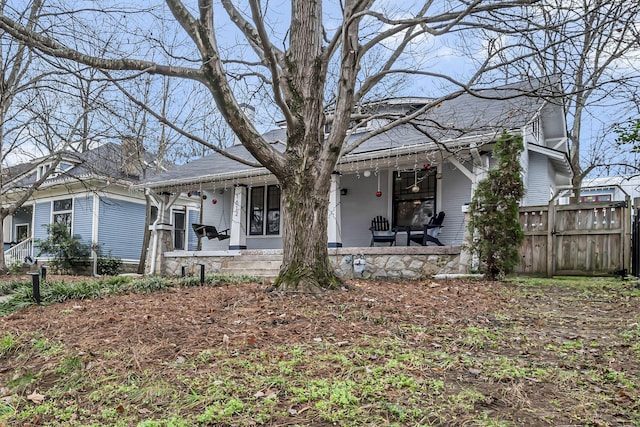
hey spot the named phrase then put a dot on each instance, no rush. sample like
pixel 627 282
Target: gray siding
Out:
pixel 360 205
pixel 193 217
pixel 121 228
pixel 538 182
pixel 264 242
pixel 83 218
pixel 218 215
pixel 455 192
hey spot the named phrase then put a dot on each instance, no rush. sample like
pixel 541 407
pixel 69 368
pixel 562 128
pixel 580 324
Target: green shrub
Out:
pixel 68 252
pixel 109 266
pixel 494 209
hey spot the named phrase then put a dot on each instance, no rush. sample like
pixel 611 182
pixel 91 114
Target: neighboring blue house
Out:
pixel 92 194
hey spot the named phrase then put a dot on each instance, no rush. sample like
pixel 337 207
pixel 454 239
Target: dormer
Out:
pixel 60 168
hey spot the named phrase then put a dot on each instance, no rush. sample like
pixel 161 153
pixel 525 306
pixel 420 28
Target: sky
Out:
pixel 450 54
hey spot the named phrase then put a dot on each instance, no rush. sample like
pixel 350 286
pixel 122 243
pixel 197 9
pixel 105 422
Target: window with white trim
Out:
pixel 264 210
pixel 63 212
pixel 179 230
pixel 22 232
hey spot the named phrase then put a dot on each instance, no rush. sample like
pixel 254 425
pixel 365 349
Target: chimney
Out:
pixel 132 152
pixel 250 113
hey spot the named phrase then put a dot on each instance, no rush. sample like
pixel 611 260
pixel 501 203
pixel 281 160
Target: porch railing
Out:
pixel 19 252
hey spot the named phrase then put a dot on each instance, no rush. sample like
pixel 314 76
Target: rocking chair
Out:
pixel 210 231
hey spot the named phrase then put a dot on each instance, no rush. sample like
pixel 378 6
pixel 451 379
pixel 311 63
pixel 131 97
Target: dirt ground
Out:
pixel 536 326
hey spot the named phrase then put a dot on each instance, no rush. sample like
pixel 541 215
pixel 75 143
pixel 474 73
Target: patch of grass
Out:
pixel 508 368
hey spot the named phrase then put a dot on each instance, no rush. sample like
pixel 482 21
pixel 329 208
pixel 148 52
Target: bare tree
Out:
pixel 586 43
pixel 312 71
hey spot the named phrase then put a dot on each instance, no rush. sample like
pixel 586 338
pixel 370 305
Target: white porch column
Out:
pixel 238 230
pixel 7 229
pixel 333 220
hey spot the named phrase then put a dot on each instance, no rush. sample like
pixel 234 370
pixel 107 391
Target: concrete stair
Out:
pixel 263 266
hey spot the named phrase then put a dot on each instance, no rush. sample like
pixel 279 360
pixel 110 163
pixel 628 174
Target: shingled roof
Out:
pixel 468 117
pixel 103 162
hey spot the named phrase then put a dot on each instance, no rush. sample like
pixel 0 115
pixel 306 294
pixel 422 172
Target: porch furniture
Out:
pixel 429 232
pixel 381 232
pixel 210 231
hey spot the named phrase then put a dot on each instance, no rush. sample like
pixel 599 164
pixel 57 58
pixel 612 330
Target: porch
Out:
pixel 408 262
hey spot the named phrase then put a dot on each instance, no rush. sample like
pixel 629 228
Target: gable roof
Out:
pixel 103 162
pixel 477 117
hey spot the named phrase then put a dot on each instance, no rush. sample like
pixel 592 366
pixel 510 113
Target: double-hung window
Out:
pixel 179 229
pixel 63 212
pixel 264 210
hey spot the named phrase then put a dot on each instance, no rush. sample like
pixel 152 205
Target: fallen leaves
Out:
pixel 36 398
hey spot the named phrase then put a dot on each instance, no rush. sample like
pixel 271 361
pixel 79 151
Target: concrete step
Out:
pixel 259 265
pixel 259 273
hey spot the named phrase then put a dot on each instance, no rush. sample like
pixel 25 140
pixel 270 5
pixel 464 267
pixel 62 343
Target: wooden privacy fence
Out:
pixel 576 239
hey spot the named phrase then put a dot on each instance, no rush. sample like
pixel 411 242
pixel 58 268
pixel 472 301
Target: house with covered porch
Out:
pixel 406 174
pixel 92 194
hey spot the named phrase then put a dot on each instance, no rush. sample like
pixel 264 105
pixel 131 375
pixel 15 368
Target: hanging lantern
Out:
pixel 378 193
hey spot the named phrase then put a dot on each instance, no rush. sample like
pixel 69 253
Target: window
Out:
pixel 414 207
pixel 179 221
pixel 63 212
pixel 22 232
pixel 264 200
pixel 596 198
pixel 42 169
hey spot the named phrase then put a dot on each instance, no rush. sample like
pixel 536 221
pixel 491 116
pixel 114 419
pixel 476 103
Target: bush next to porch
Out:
pixel 68 252
pixel 494 225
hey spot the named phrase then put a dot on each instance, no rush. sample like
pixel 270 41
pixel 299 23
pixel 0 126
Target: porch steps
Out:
pixel 264 266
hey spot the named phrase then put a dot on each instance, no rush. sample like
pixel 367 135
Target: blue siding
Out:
pixel 42 217
pixel 121 228
pixel 22 216
pixel 83 218
pixel 194 218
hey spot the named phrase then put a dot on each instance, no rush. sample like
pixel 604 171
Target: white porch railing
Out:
pixel 19 252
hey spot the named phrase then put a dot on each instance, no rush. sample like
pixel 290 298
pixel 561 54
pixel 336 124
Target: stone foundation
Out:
pixel 402 262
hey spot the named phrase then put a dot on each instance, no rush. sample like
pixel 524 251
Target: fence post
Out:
pixel 201 274
pixel 626 237
pixel 551 244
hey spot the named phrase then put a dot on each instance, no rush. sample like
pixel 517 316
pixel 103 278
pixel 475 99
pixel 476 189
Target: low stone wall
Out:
pixel 410 262
pixel 174 261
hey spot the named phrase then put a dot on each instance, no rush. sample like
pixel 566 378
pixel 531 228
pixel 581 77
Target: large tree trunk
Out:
pixel 306 266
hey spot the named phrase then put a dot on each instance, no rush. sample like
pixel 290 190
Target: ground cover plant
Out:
pixel 526 352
